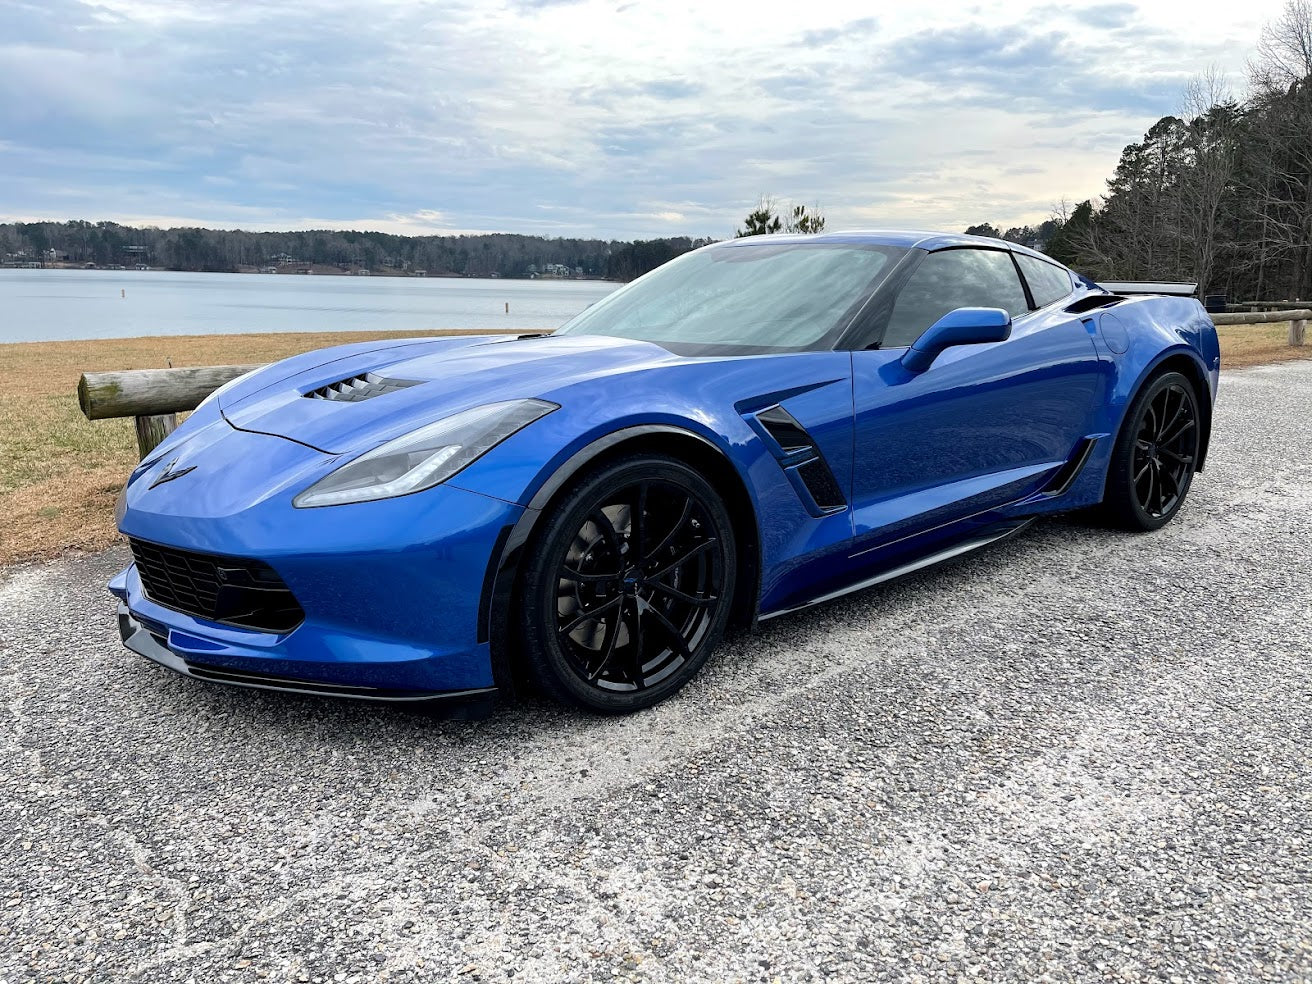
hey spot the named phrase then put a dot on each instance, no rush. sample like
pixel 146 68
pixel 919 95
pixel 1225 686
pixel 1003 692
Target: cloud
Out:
pixel 583 117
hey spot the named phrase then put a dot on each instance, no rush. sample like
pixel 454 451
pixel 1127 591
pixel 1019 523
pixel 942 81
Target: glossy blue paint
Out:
pixel 983 427
pixel 396 591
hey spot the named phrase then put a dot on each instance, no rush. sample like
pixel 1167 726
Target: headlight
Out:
pixel 425 457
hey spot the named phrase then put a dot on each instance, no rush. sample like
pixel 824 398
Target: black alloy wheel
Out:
pixel 629 586
pixel 1156 454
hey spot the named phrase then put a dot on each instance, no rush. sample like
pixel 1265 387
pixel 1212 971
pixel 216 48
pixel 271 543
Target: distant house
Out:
pixel 362 272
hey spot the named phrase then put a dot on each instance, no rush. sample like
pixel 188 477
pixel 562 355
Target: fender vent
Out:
pixel 360 388
pixel 784 428
pixel 820 482
pixel 802 461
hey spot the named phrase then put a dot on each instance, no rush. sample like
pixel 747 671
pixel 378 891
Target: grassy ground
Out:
pixel 60 473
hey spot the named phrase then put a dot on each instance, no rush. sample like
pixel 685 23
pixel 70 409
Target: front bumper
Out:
pixel 152 641
pixel 393 591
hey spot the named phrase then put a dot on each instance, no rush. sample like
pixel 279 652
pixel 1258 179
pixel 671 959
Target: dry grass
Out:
pixel 1258 345
pixel 60 473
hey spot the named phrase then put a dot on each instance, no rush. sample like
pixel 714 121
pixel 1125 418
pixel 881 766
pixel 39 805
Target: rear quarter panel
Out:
pixel 1152 329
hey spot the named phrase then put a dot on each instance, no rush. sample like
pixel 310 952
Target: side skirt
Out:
pixel 929 560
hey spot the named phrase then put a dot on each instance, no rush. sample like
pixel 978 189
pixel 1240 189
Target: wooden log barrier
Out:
pixel 1261 317
pixel 1297 319
pixel 153 396
pixel 146 392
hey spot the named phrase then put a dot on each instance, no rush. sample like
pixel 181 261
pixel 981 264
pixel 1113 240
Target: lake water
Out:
pixel 58 305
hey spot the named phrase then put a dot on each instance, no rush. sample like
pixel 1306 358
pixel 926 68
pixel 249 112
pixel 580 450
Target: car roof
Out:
pixel 906 238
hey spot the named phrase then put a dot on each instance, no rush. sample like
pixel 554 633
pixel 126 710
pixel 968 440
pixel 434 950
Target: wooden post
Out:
pixel 148 392
pixel 1297 331
pixel 153 429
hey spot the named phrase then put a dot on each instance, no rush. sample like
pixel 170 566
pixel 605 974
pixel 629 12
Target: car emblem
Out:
pixel 169 474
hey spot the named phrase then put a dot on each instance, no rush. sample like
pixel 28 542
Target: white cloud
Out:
pixel 589 117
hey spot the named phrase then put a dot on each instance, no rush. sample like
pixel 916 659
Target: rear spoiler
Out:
pixel 1149 287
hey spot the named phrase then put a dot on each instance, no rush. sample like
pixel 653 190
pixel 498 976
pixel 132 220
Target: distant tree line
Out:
pixel 1035 237
pixel 503 255
pixel 1221 194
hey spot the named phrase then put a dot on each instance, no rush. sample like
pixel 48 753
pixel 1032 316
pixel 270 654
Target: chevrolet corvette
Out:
pixel 756 426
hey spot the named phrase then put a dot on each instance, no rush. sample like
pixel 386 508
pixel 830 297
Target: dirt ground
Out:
pixel 60 473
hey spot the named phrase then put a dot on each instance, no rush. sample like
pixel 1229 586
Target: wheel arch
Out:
pixel 685 445
pixel 1191 367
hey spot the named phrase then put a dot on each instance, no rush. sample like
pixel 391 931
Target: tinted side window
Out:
pixel 949 280
pixel 1047 282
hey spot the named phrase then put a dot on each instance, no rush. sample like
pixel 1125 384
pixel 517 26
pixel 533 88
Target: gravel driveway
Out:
pixel 1081 754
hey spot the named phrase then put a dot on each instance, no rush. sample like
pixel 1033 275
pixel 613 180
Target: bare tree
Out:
pixel 1280 176
pixel 1284 53
pixel 1205 185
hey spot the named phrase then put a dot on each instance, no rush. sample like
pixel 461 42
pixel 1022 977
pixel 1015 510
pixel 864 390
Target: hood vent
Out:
pixel 360 388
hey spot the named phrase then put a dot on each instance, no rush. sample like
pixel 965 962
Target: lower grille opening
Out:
pixel 245 593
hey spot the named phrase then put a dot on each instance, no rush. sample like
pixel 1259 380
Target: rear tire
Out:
pixel 1155 455
pixel 628 585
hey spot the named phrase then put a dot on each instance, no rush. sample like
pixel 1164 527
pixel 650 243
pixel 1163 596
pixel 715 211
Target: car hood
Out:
pixel 413 384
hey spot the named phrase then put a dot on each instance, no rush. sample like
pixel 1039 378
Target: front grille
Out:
pixel 248 593
pixel 358 388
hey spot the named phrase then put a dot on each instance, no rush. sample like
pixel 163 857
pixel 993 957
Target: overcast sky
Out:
pixel 617 119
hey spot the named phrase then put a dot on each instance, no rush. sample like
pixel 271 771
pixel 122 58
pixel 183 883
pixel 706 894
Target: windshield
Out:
pixel 744 298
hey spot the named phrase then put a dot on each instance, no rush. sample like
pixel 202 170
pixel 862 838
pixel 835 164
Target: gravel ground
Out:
pixel 1081 754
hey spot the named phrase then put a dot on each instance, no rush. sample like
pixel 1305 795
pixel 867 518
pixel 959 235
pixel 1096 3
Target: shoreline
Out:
pixel 317 270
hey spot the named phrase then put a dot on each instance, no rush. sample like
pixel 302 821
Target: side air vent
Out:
pixel 1065 477
pixel 802 461
pixel 819 481
pixel 360 388
pixel 784 428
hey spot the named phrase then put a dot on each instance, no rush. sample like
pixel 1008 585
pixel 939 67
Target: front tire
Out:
pixel 628 586
pixel 1155 455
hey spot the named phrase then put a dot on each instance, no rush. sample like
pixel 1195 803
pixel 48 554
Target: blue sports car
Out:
pixel 757 426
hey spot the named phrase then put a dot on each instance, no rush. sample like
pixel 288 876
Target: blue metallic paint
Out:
pixel 402 593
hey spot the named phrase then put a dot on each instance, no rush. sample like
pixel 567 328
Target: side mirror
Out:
pixel 964 326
